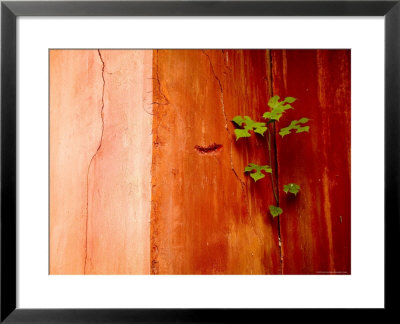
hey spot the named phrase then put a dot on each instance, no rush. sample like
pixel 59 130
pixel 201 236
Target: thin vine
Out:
pixel 247 126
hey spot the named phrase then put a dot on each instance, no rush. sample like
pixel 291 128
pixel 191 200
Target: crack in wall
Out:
pixel 224 114
pixel 213 148
pixel 271 89
pixel 161 99
pixel 242 183
pixel 93 157
pixel 159 92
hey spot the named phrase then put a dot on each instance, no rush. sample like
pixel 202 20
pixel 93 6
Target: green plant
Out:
pixel 246 124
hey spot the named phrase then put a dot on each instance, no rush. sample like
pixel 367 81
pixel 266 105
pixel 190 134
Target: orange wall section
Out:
pixel 207 216
pixel 100 161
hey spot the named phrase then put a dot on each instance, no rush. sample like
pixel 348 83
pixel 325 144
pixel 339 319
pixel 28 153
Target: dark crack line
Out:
pixel 93 157
pixel 224 114
pixel 160 93
pixel 271 89
pixel 243 185
pixel 159 89
pixel 159 86
pixel 270 163
pixel 213 148
pixel 212 70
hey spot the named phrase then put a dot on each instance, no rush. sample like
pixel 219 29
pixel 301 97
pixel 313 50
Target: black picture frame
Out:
pixel 9 13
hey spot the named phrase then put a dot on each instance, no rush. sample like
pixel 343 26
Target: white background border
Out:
pixel 363 288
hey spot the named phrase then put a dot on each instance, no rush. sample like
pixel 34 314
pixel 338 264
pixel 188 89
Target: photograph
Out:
pixel 199 161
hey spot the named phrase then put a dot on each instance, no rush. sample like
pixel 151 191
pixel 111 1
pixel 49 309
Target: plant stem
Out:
pixel 270 163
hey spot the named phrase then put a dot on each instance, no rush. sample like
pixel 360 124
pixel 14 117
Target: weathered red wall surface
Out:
pixel 315 226
pixel 133 192
pixel 207 217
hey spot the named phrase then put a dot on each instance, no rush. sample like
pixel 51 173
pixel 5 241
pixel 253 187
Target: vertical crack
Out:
pixel 163 98
pixel 93 157
pixel 159 95
pixel 243 185
pixel 221 91
pixel 271 90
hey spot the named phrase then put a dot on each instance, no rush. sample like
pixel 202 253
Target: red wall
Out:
pixel 316 225
pixel 207 216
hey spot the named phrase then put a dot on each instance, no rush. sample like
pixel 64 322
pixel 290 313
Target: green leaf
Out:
pixel 272 115
pixel 238 120
pixel 275 211
pixel 292 188
pixel 260 130
pixel 303 120
pixel 258 174
pixel 248 124
pixel 242 133
pixel 295 125
pixel 278 107
pixel 290 99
